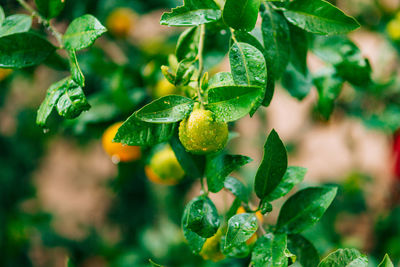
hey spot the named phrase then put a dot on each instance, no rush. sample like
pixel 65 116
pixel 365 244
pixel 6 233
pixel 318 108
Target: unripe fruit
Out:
pixel 163 88
pixel 117 151
pixel 260 218
pixel 164 168
pixel 121 21
pixel 393 29
pixel 201 134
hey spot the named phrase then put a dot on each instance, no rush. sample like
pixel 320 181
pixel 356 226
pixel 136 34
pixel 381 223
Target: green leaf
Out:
pixel 135 132
pixel 201 217
pixel 346 57
pixel 193 165
pixel 184 72
pixel 73 101
pixel 53 94
pixel 192 13
pixel 195 241
pixel 50 8
pixel 237 188
pixel 276 36
pixel 241 14
pixel 219 166
pixel 269 251
pixel 329 86
pixel 247 65
pixel 273 166
pixel 297 83
pixel 248 68
pixel 293 176
pixel 306 253
pixel 188 44
pixel 76 71
pixel 221 79
pixel 23 50
pixel 269 91
pixel 82 32
pixel 304 209
pixel 230 103
pixel 240 250
pixel 319 16
pixel 240 228
pixel 167 109
pixel 15 24
pixel 344 258
pixel 386 262
pixel 299 45
pixel 245 37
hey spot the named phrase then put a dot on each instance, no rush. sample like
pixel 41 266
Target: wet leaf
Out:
pixel 269 251
pixel 344 258
pixel 319 16
pixel 304 209
pixel 167 109
pixel 240 228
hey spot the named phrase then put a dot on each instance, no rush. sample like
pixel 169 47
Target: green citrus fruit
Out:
pixel 201 134
pixel 164 168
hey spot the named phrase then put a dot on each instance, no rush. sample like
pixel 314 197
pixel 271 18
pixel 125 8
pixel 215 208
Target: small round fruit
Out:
pixel 117 151
pixel 121 21
pixel 260 218
pixel 211 248
pixel 163 88
pixel 393 29
pixel 201 134
pixel 164 168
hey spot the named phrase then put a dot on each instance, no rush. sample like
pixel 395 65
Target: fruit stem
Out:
pixel 43 21
pixel 201 61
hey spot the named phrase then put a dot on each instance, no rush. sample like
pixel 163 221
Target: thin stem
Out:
pixel 201 61
pixel 203 188
pixel 43 21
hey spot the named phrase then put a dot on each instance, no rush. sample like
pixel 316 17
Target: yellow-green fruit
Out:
pixel 393 29
pixel 201 134
pixel 163 88
pixel 211 248
pixel 164 168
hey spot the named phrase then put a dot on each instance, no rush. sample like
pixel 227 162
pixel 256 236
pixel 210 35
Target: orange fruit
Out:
pixel 117 151
pixel 121 21
pixel 164 168
pixel 260 219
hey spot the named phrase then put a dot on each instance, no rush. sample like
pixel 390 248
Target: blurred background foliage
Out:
pixel 130 220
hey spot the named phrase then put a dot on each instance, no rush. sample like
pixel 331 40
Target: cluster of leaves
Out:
pixel 21 47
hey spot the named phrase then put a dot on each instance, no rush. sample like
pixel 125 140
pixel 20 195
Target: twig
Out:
pixel 43 21
pixel 201 61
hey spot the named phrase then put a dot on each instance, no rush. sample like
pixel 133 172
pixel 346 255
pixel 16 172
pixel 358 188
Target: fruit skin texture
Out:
pixel 211 248
pixel 260 218
pixel 121 21
pixel 117 151
pixel 164 168
pixel 201 134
